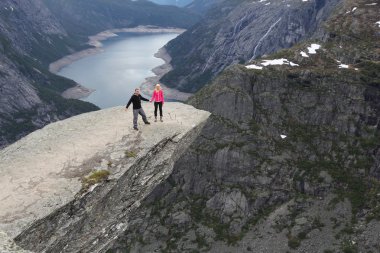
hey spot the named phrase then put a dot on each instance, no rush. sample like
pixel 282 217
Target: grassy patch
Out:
pixel 349 247
pixel 94 178
pixel 130 154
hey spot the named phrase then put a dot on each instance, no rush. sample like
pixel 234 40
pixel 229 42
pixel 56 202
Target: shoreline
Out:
pixel 79 91
pixel 147 87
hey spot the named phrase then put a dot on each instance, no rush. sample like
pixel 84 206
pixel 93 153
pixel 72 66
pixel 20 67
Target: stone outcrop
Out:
pixel 42 173
pixel 289 159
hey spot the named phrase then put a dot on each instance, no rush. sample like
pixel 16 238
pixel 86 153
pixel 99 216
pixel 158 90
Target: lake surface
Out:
pixel 123 65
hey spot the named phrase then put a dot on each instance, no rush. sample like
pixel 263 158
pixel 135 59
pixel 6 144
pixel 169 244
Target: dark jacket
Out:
pixel 136 100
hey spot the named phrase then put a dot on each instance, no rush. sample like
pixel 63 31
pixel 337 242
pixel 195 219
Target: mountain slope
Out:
pixel 35 33
pixel 238 31
pixel 29 93
pixel 84 17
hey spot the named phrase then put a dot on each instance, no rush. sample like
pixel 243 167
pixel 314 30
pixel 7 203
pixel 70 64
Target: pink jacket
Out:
pixel 158 96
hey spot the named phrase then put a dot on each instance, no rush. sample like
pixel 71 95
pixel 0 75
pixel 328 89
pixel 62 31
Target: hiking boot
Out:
pixel 147 123
pixel 155 119
pixel 161 119
pixel 136 128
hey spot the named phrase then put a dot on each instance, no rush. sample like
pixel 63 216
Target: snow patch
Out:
pixel 313 48
pixel 253 66
pixel 304 54
pixel 372 4
pixel 378 23
pixel 354 9
pixel 281 61
pixel 343 66
pixel 283 136
pixel 265 63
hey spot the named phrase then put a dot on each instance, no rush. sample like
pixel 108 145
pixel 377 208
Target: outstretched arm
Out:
pixel 144 99
pixel 129 103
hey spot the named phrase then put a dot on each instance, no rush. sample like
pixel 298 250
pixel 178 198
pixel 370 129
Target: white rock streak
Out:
pixel 262 38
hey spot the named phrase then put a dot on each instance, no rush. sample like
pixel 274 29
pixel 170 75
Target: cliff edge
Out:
pixel 85 158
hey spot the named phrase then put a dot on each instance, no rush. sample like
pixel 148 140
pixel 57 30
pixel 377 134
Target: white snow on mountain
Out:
pixel 253 66
pixel 313 48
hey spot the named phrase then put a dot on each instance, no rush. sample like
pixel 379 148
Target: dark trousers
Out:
pixel 136 115
pixel 156 106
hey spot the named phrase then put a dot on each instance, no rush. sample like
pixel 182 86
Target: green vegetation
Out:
pixel 349 247
pixel 130 154
pixel 94 178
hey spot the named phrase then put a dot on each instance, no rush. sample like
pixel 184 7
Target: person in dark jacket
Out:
pixel 137 109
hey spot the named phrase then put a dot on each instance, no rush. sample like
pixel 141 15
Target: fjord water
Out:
pixel 124 63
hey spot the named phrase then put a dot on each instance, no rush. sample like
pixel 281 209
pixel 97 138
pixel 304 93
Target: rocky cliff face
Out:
pixel 88 172
pixel 29 93
pixel 289 159
pixel 238 31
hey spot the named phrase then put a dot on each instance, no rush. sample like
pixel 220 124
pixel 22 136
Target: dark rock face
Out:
pixel 242 187
pixel 29 98
pixel 235 33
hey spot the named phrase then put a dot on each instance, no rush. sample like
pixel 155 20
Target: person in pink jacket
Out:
pixel 158 98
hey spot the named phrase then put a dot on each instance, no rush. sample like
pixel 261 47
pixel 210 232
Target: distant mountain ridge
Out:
pixel 238 31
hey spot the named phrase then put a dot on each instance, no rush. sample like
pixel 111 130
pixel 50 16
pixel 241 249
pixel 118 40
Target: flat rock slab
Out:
pixel 43 171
